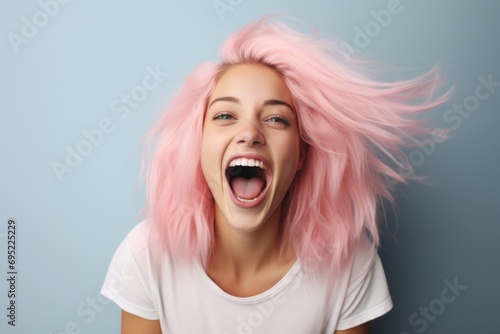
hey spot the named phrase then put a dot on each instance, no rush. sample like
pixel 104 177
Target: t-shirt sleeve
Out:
pixel 128 280
pixel 367 296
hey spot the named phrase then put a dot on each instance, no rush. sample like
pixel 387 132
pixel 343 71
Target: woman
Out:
pixel 263 190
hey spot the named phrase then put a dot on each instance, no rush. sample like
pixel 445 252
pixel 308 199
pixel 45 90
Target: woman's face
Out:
pixel 250 146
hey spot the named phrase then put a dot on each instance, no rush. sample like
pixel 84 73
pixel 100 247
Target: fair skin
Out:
pixel 250 115
pixel 251 118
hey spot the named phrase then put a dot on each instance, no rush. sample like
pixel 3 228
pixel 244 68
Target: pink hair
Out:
pixel 354 129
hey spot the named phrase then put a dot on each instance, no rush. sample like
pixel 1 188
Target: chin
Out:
pixel 248 219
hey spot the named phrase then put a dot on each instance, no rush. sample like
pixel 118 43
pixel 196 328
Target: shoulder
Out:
pixel 139 235
pixel 132 255
pixel 366 294
pixel 362 260
pixel 128 281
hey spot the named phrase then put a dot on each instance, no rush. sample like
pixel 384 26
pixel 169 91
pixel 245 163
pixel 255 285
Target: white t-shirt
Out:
pixel 186 300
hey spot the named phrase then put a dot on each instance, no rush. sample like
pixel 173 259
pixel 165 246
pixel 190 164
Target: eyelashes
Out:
pixel 223 116
pixel 279 119
pixel 274 120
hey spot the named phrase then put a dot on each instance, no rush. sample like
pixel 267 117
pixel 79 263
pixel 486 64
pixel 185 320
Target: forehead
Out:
pixel 251 81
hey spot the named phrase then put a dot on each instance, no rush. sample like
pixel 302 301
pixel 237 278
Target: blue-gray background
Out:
pixel 69 75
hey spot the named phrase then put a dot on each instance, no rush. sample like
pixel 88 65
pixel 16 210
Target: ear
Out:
pixel 302 155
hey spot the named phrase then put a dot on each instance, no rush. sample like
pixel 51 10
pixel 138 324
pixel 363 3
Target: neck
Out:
pixel 245 253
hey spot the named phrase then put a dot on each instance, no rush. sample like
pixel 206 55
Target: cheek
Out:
pixel 211 158
pixel 207 168
pixel 207 158
pixel 205 151
pixel 290 147
pixel 211 144
pixel 288 154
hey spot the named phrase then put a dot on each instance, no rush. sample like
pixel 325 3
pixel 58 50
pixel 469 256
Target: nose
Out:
pixel 251 135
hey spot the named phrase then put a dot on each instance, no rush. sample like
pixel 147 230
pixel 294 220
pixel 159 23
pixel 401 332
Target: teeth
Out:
pixel 246 200
pixel 248 163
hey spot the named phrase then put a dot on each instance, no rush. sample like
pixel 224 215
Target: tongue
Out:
pixel 247 188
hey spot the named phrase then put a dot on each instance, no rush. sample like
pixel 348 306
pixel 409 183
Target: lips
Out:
pixel 248 179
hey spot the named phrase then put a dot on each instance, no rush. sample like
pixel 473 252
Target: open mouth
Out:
pixel 247 178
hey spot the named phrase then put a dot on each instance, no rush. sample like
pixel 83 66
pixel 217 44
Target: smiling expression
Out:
pixel 250 146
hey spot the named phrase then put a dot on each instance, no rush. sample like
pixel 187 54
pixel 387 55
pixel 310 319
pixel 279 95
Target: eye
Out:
pixel 223 116
pixel 279 120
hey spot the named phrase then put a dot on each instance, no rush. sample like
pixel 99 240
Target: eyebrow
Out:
pixel 271 102
pixel 225 98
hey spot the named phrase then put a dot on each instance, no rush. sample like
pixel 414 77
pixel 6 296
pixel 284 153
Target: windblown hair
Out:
pixel 354 129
